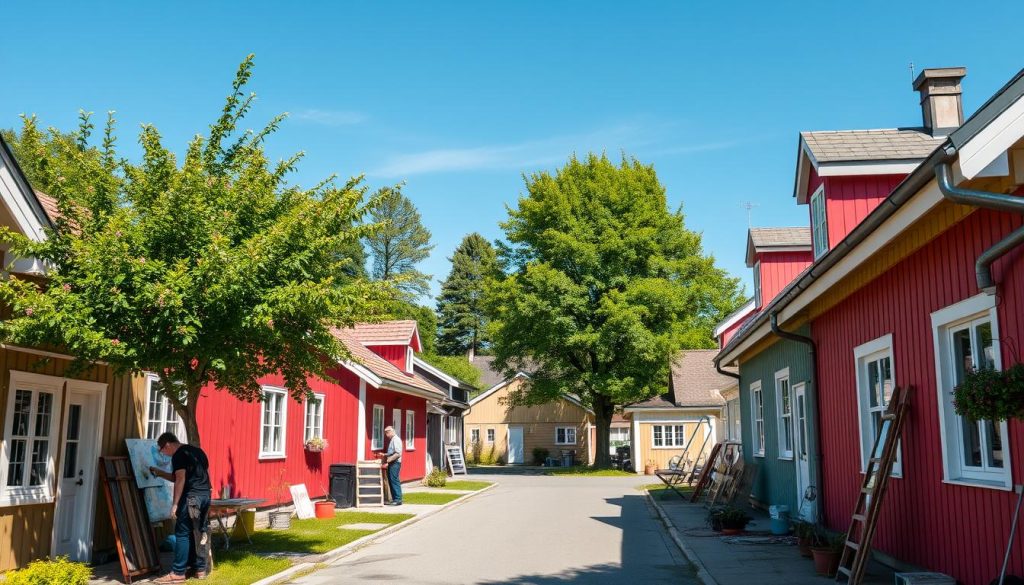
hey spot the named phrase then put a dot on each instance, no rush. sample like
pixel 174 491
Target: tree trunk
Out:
pixel 603 411
pixel 188 412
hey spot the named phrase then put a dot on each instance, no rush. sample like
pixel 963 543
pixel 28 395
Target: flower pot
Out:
pixel 649 469
pixel 804 544
pixel 731 531
pixel 314 449
pixel 324 509
pixel 280 520
pixel 826 561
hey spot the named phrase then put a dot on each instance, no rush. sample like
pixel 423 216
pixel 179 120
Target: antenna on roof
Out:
pixel 911 71
pixel 749 205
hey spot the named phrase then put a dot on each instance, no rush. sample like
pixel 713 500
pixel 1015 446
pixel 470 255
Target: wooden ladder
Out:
pixel 857 548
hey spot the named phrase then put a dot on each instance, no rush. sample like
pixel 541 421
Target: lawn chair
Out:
pixel 675 474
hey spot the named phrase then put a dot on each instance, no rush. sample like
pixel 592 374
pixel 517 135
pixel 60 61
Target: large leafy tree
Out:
pixel 209 272
pixel 607 284
pixel 400 243
pixel 462 320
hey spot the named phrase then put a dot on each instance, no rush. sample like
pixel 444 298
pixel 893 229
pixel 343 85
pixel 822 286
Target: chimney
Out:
pixel 941 106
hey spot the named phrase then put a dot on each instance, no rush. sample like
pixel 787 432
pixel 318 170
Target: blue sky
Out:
pixel 459 100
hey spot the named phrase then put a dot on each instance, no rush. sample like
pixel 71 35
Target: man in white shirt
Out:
pixel 393 460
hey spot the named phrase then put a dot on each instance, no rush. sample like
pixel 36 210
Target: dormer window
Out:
pixel 819 222
pixel 408 359
pixel 757 284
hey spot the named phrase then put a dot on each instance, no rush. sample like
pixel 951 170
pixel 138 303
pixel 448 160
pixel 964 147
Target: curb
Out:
pixel 347 549
pixel 702 571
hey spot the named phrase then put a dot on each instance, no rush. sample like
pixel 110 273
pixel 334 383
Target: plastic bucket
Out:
pixel 248 519
pixel 779 522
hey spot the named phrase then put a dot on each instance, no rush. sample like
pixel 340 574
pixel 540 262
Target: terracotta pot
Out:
pixel 649 469
pixel 826 561
pixel 731 531
pixel 804 544
pixel 324 509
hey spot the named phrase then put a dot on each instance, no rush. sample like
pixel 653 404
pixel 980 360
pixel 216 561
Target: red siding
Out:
pixel 955 529
pixel 848 200
pixel 231 438
pixel 778 269
pixel 395 354
pixel 414 462
pixel 726 335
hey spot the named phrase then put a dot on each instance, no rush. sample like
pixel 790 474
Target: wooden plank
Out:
pixel 133 535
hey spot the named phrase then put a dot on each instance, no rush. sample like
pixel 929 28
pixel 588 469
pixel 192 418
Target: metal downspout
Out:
pixel 987 200
pixel 718 367
pixel 812 349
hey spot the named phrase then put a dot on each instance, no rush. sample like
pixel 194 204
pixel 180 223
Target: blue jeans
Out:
pixel 185 533
pixel 394 470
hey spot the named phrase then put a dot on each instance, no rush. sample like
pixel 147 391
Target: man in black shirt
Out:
pixel 191 505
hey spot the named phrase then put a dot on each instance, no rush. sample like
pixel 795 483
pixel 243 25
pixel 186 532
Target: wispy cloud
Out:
pixel 329 117
pixel 535 153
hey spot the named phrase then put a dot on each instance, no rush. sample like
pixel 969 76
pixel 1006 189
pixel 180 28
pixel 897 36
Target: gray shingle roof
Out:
pixel 693 382
pixel 764 237
pixel 488 375
pixel 863 145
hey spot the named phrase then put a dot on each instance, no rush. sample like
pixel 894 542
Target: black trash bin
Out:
pixel 343 484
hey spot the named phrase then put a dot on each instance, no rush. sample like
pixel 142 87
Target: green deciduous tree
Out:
pixel 607 285
pixel 400 242
pixel 462 320
pixel 213 271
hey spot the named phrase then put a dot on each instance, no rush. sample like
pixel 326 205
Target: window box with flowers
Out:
pixel 316 444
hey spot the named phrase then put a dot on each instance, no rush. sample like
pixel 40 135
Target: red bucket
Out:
pixel 324 509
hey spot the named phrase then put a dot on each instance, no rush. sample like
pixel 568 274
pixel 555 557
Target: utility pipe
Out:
pixel 812 350
pixel 987 200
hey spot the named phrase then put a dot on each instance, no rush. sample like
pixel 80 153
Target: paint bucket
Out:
pixel 779 522
pixel 248 519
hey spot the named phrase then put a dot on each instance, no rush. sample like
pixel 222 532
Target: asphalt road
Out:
pixel 529 529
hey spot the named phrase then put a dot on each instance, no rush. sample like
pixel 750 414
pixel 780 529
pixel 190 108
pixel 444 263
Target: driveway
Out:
pixel 529 529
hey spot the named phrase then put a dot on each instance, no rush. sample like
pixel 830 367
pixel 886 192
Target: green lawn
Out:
pixel 584 470
pixel 662 492
pixel 433 498
pixel 466 485
pixel 246 563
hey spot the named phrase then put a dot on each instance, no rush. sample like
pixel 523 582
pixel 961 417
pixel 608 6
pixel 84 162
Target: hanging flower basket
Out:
pixel 987 394
pixel 316 445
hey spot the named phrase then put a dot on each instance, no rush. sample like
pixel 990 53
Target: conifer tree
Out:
pixel 400 243
pixel 462 321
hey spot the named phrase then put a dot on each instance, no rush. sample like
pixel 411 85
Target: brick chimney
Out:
pixel 941 106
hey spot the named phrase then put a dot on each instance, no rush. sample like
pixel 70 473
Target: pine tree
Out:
pixel 400 242
pixel 462 321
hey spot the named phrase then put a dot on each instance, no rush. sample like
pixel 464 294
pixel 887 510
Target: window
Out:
pixel 757 418
pixel 757 284
pixel 617 437
pixel 272 422
pixel 819 222
pixel 377 441
pixel 396 421
pixel 30 439
pixel 966 338
pixel 314 426
pixel 875 382
pixel 733 413
pixel 474 436
pixel 565 435
pixel 784 409
pixel 160 415
pixel 668 436
pixel 453 429
pixel 410 429
pixel 490 435
pixel 408 360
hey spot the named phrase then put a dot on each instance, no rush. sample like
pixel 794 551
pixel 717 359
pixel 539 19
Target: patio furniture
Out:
pixel 223 508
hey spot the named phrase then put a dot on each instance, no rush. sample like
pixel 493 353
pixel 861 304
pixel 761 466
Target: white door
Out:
pixel 78 472
pixel 515 445
pixel 803 464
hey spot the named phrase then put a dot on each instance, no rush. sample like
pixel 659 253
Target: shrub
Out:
pixel 59 571
pixel 540 455
pixel 987 394
pixel 437 478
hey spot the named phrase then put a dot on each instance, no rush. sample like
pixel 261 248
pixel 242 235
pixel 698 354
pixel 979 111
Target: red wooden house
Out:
pixel 918 279
pixel 253 446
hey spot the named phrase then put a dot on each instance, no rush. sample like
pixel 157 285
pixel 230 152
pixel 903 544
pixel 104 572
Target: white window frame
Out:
pixel 377 436
pixel 163 424
pixel 314 428
pixel 410 430
pixel 453 429
pixel 396 421
pixel 474 436
pixel 977 308
pixel 757 285
pixel 34 383
pixel 863 354
pixel 281 393
pixel 819 222
pixel 490 436
pixel 782 417
pixel 670 435
pixel 408 360
pixel 565 435
pixel 757 433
